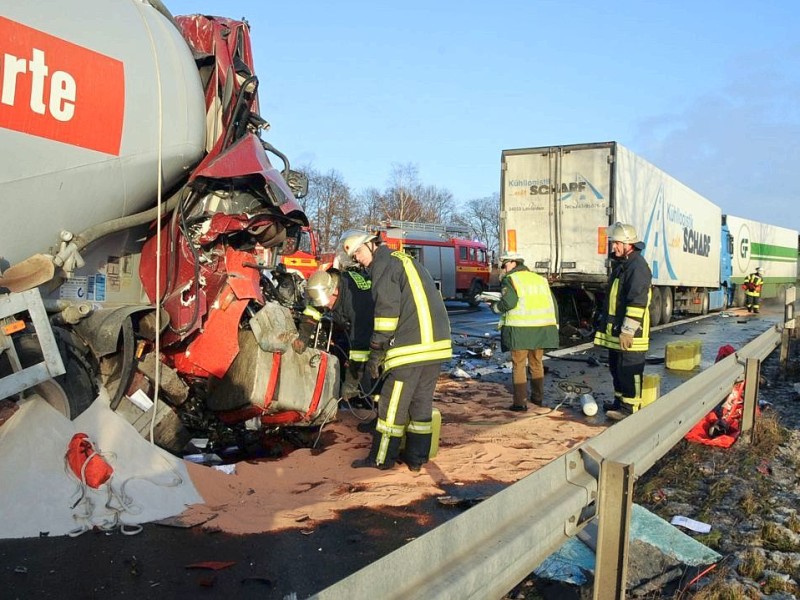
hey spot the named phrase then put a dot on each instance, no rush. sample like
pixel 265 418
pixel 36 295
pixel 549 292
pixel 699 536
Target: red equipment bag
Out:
pixel 85 462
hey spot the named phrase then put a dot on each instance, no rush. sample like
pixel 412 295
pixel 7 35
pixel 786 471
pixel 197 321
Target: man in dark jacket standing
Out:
pixel 624 326
pixel 529 324
pixel 410 341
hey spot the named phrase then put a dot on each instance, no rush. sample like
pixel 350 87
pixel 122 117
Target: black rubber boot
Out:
pixel 371 461
pixel 613 405
pixel 417 450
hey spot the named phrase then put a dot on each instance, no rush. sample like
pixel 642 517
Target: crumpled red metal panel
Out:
pixel 243 280
pixel 246 157
pixel 185 302
pixel 215 348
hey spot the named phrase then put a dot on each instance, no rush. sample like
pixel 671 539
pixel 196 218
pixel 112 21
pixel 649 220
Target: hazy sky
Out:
pixel 706 90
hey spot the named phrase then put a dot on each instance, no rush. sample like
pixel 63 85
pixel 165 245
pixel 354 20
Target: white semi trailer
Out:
pixel 770 247
pixel 555 205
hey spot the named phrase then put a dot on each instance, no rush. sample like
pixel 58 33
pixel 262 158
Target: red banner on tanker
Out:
pixel 58 90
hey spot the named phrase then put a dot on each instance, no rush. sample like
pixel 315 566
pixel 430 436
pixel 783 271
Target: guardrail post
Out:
pixel 752 374
pixel 615 501
pixel 788 325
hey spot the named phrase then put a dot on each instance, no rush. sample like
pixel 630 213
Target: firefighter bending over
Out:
pixel 410 341
pixel 624 326
pixel 347 295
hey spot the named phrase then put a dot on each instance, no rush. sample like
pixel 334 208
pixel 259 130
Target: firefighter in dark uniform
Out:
pixel 410 341
pixel 752 290
pixel 347 295
pixel 624 326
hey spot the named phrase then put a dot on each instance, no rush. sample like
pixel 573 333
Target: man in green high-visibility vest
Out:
pixel 528 325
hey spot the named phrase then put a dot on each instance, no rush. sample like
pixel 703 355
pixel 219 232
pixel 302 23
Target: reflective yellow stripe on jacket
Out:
pixel 641 341
pixel 428 348
pixel 358 355
pixel 361 282
pixel 312 312
pixel 535 305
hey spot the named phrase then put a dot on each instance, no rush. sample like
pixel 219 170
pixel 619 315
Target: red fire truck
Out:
pixel 306 258
pixel 459 266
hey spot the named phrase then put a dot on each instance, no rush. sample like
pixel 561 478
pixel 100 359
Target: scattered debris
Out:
pixel 227 469
pixel 254 579
pixel 688 523
pixel 188 520
pixel 459 373
pixel 455 501
pixel 209 458
pixel 213 565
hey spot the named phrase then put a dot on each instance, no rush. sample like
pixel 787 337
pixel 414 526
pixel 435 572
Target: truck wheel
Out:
pixel 667 305
pixel 74 391
pixel 655 307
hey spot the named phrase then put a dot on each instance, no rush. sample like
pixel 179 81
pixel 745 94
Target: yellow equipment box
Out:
pixel 683 356
pixel 651 389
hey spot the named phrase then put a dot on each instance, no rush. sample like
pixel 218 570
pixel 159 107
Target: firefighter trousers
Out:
pixel 406 403
pixel 627 370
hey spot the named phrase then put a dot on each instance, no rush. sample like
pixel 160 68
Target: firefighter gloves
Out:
pixel 375 363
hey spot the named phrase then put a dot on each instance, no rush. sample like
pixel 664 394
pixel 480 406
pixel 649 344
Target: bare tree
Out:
pixel 482 216
pixel 399 201
pixel 406 199
pixel 369 208
pixel 328 206
pixel 437 205
pixel 333 208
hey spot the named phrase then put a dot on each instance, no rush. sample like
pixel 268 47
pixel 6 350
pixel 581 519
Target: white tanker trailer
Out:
pixel 143 223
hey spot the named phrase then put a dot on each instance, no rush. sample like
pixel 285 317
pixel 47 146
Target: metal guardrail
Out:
pixel 487 550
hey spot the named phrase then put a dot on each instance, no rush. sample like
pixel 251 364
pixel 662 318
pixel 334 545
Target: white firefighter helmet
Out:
pixel 508 257
pixel 353 239
pixel 321 286
pixel 759 270
pixel 622 232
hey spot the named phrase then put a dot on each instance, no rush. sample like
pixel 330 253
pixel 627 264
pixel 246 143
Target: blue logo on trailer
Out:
pixel 582 188
pixel 656 230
